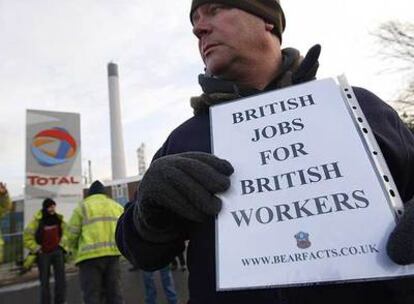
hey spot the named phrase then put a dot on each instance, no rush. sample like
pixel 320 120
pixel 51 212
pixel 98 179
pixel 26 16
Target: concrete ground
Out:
pixel 132 283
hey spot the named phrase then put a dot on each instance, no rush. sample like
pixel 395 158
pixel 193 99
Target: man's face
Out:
pixel 228 38
pixel 51 209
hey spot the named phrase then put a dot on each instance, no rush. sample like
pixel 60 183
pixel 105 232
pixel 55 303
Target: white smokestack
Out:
pixel 117 140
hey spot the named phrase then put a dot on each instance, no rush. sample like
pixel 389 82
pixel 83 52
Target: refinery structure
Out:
pixel 121 187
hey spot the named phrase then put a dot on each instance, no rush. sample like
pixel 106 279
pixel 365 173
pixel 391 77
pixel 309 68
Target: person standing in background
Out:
pixel 91 238
pixel 44 237
pixel 167 284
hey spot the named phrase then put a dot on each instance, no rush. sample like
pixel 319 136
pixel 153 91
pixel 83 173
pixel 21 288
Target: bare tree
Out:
pixel 408 120
pixel 397 41
pixel 407 96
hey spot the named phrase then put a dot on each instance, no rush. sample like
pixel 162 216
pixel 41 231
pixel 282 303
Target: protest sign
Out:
pixel 311 199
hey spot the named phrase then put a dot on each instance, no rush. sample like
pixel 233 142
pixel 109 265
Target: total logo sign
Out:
pixel 35 180
pixel 53 147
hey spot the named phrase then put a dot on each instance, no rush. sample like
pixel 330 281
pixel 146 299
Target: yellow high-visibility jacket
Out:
pixel 91 229
pixel 29 234
pixel 5 206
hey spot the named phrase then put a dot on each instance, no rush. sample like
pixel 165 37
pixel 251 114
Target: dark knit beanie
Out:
pixel 47 203
pixel 269 10
pixel 96 188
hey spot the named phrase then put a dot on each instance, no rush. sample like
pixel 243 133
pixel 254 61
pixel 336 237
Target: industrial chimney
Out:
pixel 117 140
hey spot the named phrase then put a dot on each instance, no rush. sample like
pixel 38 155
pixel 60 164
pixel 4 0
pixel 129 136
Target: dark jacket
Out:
pixel 397 145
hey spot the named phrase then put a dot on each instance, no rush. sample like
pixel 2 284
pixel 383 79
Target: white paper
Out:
pixel 337 238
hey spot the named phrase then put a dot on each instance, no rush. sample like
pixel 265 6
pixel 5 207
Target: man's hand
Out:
pixel 179 186
pixel 400 246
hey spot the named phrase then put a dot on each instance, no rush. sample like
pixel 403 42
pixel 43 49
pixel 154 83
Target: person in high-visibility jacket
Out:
pixel 43 237
pixel 5 206
pixel 91 238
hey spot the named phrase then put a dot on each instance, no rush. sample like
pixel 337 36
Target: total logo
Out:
pixel 35 180
pixel 53 147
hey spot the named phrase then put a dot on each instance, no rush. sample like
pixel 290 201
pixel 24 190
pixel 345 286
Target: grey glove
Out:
pixel 179 186
pixel 400 246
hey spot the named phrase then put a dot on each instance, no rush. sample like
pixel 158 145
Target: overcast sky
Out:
pixel 54 54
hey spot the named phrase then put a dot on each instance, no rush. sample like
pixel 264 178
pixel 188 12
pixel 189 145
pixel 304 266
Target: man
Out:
pixel 239 42
pixel 43 238
pixel 5 206
pixel 91 237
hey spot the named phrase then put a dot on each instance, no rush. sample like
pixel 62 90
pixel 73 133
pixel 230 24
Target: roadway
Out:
pixel 132 283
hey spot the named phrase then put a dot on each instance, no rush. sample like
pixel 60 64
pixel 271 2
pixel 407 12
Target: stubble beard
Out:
pixel 223 66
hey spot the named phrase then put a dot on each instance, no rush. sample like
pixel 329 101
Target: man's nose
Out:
pixel 201 27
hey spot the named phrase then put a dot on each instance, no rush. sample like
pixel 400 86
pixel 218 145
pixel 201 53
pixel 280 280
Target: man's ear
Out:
pixel 269 27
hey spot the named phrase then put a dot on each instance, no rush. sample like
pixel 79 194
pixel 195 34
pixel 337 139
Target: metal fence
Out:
pixel 11 226
pixel 13 247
